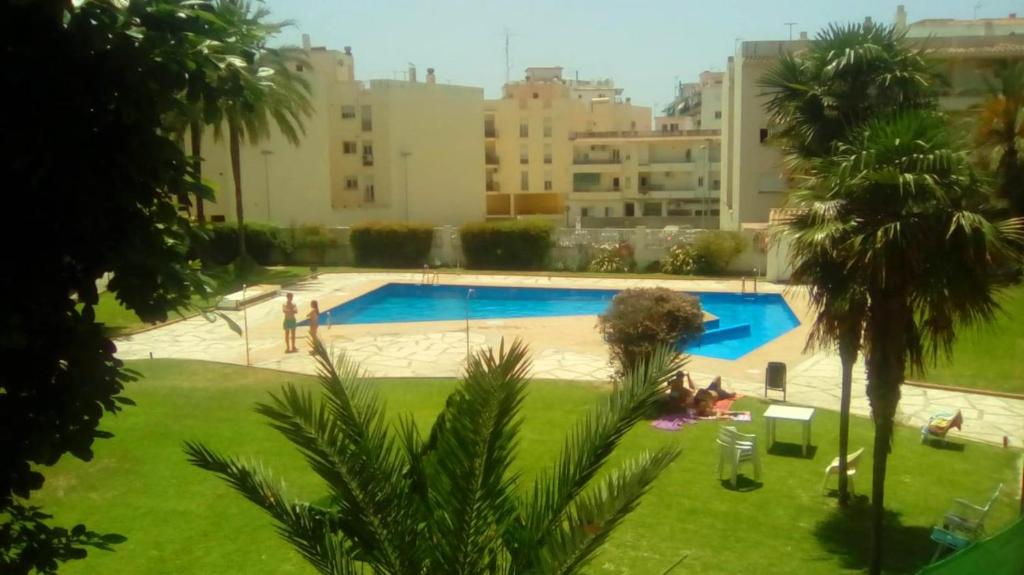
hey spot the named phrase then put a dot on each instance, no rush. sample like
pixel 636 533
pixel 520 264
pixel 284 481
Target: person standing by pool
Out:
pixel 290 310
pixel 314 322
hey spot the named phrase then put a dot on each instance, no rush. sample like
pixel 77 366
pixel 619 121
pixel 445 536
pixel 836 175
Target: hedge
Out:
pixel 508 245
pixel 217 244
pixel 715 250
pixel 391 244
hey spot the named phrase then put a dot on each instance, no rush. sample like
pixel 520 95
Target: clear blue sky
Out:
pixel 644 45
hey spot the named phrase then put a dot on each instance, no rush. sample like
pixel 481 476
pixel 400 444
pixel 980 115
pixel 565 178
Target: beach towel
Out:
pixel 672 421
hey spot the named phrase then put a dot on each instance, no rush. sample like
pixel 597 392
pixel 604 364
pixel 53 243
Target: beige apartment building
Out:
pixel 754 181
pixel 667 176
pixel 528 146
pixel 405 150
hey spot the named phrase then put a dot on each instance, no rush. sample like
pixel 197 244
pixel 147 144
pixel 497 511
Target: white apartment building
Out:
pixel 753 178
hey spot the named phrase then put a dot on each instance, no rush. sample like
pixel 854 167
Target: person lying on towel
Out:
pixel 700 402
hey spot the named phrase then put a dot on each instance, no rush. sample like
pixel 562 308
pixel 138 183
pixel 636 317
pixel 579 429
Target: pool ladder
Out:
pixel 429 277
pixel 743 285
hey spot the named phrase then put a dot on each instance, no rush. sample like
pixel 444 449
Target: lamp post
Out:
pixel 266 177
pixel 704 189
pixel 405 167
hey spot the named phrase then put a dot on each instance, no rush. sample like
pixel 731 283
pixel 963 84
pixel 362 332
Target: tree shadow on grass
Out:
pixel 846 533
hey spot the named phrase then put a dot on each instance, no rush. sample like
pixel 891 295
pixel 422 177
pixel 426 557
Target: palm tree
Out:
pixel 915 229
pixel 450 502
pixel 815 98
pixel 258 87
pixel 1000 126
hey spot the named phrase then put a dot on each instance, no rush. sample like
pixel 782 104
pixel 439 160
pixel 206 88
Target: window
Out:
pixel 524 129
pixel 700 182
pixel 366 113
pixel 348 147
pixel 584 212
pixel 547 127
pixel 718 114
pixel 632 125
pixel 367 154
pixel 689 155
pixel 547 153
pixel 615 183
pixel 351 183
pixel 763 135
pixel 536 95
pixel 629 210
pixel 348 112
pixel 716 184
pixel 524 154
pixel 524 181
pixel 608 212
pixel 547 182
pixel 369 196
pixel 676 208
pixel 217 219
pixel 652 208
pixel 675 127
pixel 299 67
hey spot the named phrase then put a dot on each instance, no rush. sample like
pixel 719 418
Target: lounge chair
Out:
pixel 939 425
pixel 967 518
pixel 852 459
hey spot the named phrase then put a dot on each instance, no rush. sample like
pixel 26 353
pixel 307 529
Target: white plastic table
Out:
pixel 789 413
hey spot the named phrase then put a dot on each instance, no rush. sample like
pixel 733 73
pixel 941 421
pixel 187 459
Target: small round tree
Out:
pixel 639 320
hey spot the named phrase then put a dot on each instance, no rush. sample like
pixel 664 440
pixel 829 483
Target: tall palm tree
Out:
pixel 258 87
pixel 450 502
pixel 917 232
pixel 1000 129
pixel 846 76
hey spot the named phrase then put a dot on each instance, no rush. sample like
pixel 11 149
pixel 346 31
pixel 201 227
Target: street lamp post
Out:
pixel 266 177
pixel 704 189
pixel 405 166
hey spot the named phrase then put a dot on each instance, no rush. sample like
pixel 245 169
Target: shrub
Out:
pixel 614 259
pixel 391 244
pixel 714 251
pixel 217 244
pixel 679 260
pixel 639 320
pixel 311 242
pixel 509 245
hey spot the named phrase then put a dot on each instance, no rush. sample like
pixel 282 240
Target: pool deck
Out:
pixel 562 347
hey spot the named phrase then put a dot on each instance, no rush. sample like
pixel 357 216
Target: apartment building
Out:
pixel 528 146
pixel 753 179
pixel 404 150
pixel 667 176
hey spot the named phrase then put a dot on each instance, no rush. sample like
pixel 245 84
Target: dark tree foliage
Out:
pixel 90 181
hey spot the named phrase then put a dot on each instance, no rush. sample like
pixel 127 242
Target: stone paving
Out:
pixel 562 348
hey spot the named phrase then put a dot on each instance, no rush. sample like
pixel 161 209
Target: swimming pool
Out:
pixel 744 321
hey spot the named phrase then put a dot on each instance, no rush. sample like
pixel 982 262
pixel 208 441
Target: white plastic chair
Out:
pixel 735 449
pixel 967 518
pixel 852 459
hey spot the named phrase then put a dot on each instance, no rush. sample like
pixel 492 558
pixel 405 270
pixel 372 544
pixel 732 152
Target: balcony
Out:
pixel 491 160
pixel 587 160
pixel 367 125
pixel 595 194
pixel 367 159
pixel 490 132
pixel 493 187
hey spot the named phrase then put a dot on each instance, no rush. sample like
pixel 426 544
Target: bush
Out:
pixel 714 251
pixel 509 245
pixel 309 244
pixel 391 244
pixel 614 259
pixel 680 260
pixel 217 244
pixel 639 320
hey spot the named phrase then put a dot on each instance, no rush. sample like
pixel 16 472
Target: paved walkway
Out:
pixel 562 348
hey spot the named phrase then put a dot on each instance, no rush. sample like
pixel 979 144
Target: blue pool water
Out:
pixel 745 322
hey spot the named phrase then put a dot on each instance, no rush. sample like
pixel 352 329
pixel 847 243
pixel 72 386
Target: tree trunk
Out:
pixel 888 319
pixel 236 173
pixel 848 357
pixel 195 131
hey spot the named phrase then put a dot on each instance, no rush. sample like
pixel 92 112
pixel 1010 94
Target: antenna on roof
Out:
pixel 790 25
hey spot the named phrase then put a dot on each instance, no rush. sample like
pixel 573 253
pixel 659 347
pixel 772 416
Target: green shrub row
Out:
pixel 217 244
pixel 508 245
pixel 710 254
pixel 391 244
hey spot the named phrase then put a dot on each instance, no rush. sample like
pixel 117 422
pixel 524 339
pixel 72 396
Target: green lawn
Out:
pixel 989 356
pixel 120 320
pixel 179 519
